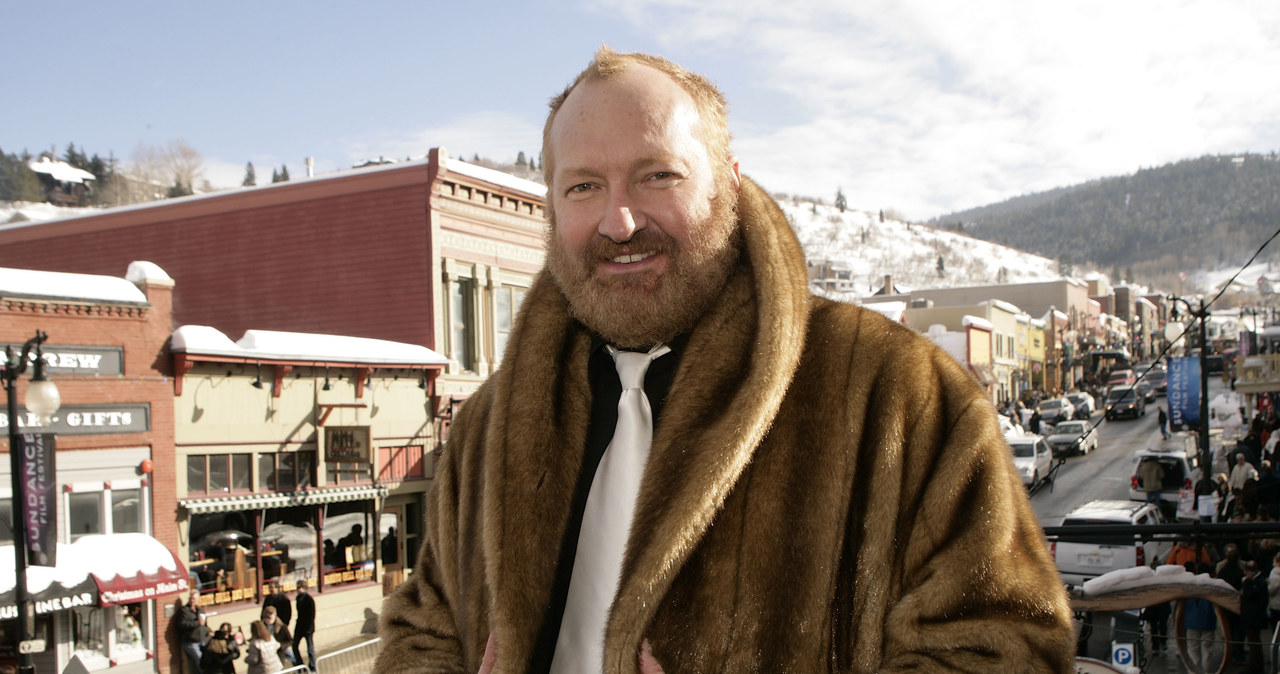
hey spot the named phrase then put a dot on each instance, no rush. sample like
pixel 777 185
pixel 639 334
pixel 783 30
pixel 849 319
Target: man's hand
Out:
pixel 648 665
pixel 490 656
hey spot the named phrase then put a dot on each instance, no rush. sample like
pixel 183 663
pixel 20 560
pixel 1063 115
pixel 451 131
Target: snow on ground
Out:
pixel 36 212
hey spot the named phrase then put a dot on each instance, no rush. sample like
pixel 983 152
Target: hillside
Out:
pixel 1197 215
pixel 910 253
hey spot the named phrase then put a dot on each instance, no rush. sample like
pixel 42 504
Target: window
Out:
pixel 126 511
pixel 506 304
pixel 106 637
pixel 461 321
pixel 219 473
pixel 286 471
pixel 347 553
pixel 84 514
pixel 412 533
pixel 400 463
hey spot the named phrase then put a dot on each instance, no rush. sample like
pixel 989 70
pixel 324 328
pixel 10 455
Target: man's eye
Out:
pixel 663 175
pixel 581 187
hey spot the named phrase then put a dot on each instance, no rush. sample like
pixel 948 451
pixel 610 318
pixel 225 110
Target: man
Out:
pixel 824 489
pixel 277 599
pixel 192 630
pixel 1241 473
pixel 1163 420
pixel 1151 476
pixel 280 631
pixel 305 628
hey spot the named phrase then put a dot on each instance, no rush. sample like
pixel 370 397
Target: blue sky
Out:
pixel 919 106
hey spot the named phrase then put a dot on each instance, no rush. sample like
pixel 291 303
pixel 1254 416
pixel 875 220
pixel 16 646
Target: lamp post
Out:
pixel 42 400
pixel 1206 458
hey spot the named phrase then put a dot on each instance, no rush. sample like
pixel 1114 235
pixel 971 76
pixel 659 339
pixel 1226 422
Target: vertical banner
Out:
pixel 1183 391
pixel 40 498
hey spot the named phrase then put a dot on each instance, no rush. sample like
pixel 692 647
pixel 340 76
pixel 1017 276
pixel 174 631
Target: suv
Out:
pixel 1086 556
pixel 1073 437
pixel 1124 401
pixel 1178 457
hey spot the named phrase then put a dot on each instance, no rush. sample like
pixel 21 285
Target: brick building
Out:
pixel 107 353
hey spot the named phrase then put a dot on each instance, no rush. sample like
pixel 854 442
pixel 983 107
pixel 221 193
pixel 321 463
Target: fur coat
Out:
pixel 827 491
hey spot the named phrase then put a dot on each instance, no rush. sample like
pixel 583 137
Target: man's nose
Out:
pixel 620 222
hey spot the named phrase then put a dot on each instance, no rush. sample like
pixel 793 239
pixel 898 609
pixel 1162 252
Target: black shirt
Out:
pixel 606 388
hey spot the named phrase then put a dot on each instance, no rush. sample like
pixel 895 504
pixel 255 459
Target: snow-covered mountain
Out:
pixel 871 249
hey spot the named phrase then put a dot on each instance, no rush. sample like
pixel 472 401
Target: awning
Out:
pixel 306 497
pixel 983 373
pixel 96 570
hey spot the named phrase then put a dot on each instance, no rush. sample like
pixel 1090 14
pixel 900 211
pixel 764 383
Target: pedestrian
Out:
pixel 1164 423
pixel 1151 477
pixel 277 599
pixel 192 630
pixel 1201 624
pixel 278 631
pixel 1273 591
pixel 1035 421
pixel 263 650
pixel 1253 614
pixel 1157 618
pixel 220 653
pixel 773 487
pixel 305 628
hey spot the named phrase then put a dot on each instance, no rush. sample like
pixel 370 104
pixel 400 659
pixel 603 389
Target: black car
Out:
pixel 1125 401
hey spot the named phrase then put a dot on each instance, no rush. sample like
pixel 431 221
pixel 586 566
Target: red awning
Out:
pixel 100 569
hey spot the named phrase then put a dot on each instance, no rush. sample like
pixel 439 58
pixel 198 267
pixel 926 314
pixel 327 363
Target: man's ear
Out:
pixel 737 174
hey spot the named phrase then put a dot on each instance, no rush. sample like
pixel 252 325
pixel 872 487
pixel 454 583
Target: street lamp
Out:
pixel 42 400
pixel 1206 458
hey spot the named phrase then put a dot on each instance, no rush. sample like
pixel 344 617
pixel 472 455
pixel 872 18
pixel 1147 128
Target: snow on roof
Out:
pixel 60 170
pixel 496 177
pixel 55 285
pixel 298 346
pixel 147 272
pixel 1002 305
pixel 106 556
pixel 892 310
pixel 977 322
pixel 1143 576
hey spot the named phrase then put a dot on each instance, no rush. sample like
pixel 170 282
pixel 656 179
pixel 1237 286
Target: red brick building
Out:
pixel 107 353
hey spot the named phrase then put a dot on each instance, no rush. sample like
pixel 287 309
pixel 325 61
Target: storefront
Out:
pixel 98 599
pixel 305 457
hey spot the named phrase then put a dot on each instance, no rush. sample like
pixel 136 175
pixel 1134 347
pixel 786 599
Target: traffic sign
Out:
pixel 1121 654
pixel 31 646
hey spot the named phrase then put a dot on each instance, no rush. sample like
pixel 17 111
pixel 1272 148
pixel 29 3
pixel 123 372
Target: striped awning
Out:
pixel 222 504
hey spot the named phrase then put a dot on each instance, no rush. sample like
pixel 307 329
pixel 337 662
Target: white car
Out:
pixel 1056 410
pixel 1073 437
pixel 1084 403
pixel 1080 557
pixel 1032 457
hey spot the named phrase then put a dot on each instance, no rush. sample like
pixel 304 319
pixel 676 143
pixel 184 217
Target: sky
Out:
pixel 919 107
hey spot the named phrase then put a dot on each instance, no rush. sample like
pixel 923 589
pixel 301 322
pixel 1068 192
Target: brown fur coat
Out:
pixel 827 491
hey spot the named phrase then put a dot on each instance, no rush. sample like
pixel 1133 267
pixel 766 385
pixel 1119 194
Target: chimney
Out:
pixel 311 167
pixel 888 285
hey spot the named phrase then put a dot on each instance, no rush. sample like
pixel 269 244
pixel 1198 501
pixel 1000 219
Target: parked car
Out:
pixel 1032 457
pixel 1144 389
pixel 1056 410
pixel 1178 458
pixel 1124 401
pixel 1084 404
pixel 1121 378
pixel 1082 557
pixel 1073 437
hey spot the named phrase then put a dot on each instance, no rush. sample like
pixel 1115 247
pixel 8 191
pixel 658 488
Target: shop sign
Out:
pixel 346 444
pixel 80 360
pixel 87 419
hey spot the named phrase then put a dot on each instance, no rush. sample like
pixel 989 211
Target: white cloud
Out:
pixel 927 107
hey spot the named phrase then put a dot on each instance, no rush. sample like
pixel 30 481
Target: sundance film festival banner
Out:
pixel 1183 391
pixel 40 498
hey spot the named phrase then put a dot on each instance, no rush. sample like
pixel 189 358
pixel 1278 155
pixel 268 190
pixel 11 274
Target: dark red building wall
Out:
pixel 323 256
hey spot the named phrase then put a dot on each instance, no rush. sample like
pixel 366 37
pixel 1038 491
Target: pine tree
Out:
pixel 942 267
pixel 840 200
pixel 275 175
pixel 250 178
pixel 284 173
pixel 17 181
pixel 521 161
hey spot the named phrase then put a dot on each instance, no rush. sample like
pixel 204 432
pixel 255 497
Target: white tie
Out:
pixel 602 540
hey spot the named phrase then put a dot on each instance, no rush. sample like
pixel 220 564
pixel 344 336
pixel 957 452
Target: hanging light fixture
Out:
pixel 326 386
pixel 257 382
